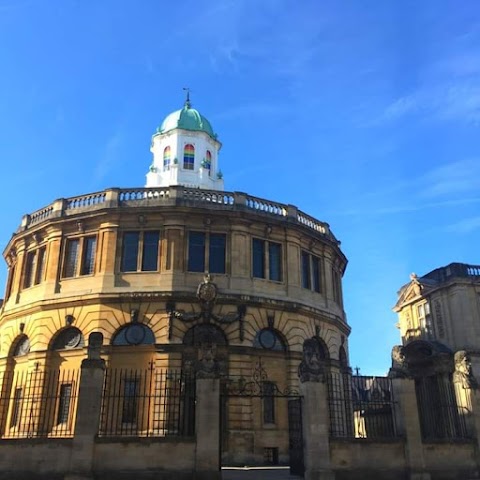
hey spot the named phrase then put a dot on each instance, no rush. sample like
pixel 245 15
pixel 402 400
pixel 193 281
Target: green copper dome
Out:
pixel 188 119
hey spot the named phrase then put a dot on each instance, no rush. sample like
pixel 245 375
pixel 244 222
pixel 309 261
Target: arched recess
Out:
pixel 270 339
pixel 342 357
pixel 204 333
pixel 323 349
pixel 20 346
pixel 67 339
pixel 134 334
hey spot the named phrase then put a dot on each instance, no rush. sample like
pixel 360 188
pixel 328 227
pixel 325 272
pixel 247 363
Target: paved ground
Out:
pixel 257 473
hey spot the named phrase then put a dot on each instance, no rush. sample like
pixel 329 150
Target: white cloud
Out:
pixel 467 225
pixel 109 156
pixel 457 177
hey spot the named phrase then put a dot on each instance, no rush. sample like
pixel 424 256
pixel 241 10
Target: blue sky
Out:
pixel 365 114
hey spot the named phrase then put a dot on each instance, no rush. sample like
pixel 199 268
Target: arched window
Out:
pixel 208 162
pixel 189 157
pixel 68 339
pixel 134 334
pixel 322 349
pixel 199 334
pixel 21 346
pixel 166 159
pixel 269 339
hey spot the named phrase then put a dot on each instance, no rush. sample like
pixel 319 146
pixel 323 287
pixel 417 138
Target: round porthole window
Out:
pixel 135 334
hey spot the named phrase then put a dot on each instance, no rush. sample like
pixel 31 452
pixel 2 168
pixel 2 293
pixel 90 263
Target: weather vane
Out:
pixel 187 101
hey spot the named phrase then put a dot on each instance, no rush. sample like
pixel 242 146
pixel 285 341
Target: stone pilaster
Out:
pixel 88 411
pixel 404 393
pixel 315 413
pixel 207 429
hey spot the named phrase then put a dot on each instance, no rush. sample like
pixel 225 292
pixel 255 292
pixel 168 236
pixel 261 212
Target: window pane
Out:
pixel 130 392
pixel 189 157
pixel 258 255
pixel 88 261
pixel 217 253
pixel 130 251
pixel 268 390
pixel 196 252
pixel 150 251
pixel 305 270
pixel 40 266
pixel 317 282
pixel 29 269
pixel 64 403
pixel 71 255
pixel 11 276
pixel 275 261
pixel 17 407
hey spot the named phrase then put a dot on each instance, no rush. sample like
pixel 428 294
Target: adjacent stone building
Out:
pixel 443 306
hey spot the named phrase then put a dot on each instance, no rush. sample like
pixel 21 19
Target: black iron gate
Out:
pixel 295 436
pixel 278 410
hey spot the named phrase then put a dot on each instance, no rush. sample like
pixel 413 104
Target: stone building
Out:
pixel 169 274
pixel 165 331
pixel 442 306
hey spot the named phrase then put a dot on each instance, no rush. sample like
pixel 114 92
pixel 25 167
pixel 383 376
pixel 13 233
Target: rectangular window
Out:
pixel 337 292
pixel 311 271
pixel 140 251
pixel 196 252
pixel 207 249
pixel 17 408
pixel 130 251
pixel 71 257
pixel 64 402
pixel 317 281
pixel 88 257
pixel 268 391
pixel 40 265
pixel 258 258
pixel 275 261
pixel 306 277
pixel 267 257
pixel 29 269
pixel 130 400
pixel 11 276
pixel 150 251
pixel 216 253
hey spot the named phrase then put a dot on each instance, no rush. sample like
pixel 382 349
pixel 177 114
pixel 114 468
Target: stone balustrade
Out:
pixel 175 196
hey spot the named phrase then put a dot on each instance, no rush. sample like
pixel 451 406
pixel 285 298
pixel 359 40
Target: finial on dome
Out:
pixel 187 100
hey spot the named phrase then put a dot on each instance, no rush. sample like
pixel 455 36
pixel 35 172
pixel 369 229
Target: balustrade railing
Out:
pixel 85 201
pixel 170 196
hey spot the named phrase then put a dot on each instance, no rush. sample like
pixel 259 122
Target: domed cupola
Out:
pixel 185 152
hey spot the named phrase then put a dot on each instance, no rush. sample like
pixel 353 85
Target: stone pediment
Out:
pixel 409 292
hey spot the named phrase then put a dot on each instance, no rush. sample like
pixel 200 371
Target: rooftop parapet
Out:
pixel 128 198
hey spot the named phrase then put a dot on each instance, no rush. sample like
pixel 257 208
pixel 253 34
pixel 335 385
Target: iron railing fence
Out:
pixel 440 416
pixel 147 403
pixel 38 403
pixel 361 406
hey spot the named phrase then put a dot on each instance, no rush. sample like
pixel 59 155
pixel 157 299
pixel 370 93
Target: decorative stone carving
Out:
pixel 463 374
pixel 95 342
pixel 208 364
pixel 311 368
pixel 399 367
pixel 207 294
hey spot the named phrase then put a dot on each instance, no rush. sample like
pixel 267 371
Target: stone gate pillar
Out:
pixel 467 397
pixel 316 418
pixel 406 415
pixel 89 404
pixel 207 415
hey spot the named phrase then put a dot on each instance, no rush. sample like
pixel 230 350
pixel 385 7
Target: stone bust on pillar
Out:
pixel 311 368
pixel 463 374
